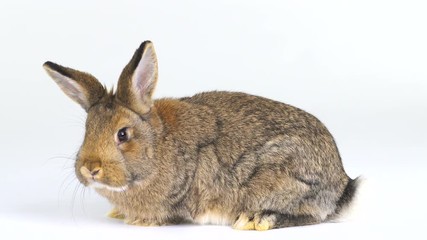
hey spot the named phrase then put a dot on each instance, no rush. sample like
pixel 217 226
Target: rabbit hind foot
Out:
pixel 258 221
pixel 266 220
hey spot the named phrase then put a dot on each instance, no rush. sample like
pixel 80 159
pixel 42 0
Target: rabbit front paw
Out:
pixel 115 213
pixel 142 222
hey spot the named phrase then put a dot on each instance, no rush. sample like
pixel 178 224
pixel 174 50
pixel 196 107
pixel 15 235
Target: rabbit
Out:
pixel 224 158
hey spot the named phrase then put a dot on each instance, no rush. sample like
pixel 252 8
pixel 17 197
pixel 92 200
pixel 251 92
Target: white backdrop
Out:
pixel 359 66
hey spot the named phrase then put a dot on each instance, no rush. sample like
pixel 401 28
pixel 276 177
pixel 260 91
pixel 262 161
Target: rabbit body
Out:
pixel 231 153
pixel 216 157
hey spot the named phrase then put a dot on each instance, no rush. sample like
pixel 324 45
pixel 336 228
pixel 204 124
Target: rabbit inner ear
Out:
pixel 144 77
pixel 70 87
pixel 81 87
pixel 138 79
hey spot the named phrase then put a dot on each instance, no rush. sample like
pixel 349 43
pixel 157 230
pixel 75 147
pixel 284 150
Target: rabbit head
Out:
pixel 117 150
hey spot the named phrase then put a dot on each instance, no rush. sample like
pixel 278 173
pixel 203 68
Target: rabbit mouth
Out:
pixel 133 180
pixel 98 185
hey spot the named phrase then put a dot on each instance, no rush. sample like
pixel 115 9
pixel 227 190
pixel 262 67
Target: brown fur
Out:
pixel 215 157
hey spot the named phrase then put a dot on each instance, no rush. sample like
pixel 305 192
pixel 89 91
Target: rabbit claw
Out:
pixel 257 222
pixel 141 222
pixel 244 222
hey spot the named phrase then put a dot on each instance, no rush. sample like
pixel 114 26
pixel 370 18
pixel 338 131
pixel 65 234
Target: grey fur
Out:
pixel 216 157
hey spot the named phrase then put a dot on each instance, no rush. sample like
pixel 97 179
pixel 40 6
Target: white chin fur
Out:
pixel 103 186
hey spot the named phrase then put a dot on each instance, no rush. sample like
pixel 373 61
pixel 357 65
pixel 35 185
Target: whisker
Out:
pixel 61 157
pixel 69 178
pixel 82 202
pixel 74 200
pixel 71 166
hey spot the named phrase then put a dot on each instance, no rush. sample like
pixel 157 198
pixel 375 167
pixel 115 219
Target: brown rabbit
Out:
pixel 216 157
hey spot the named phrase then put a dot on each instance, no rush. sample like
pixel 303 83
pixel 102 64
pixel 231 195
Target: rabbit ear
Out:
pixel 138 79
pixel 82 87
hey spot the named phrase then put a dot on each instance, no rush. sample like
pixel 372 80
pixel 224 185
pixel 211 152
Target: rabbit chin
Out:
pixel 99 185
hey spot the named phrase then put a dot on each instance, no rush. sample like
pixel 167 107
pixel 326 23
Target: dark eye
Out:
pixel 122 135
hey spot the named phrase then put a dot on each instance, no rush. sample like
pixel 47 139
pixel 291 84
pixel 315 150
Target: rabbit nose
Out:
pixel 91 171
pixel 96 171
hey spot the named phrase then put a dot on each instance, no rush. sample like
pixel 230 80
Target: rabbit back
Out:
pixel 266 156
